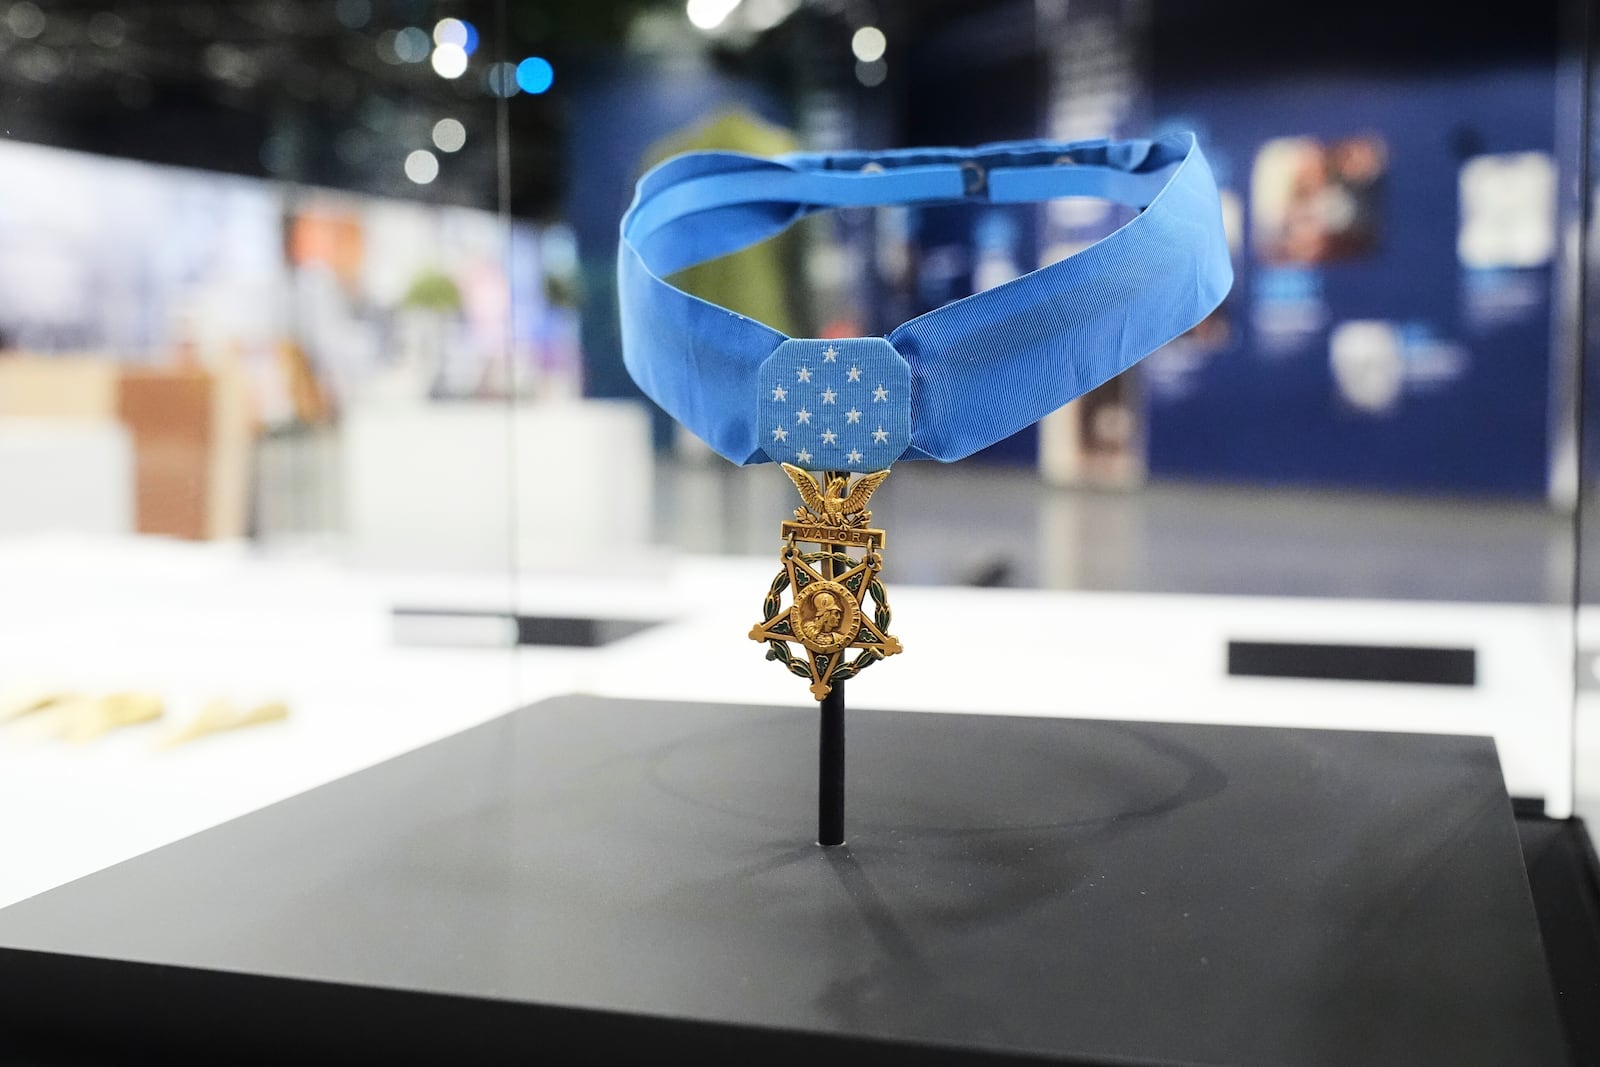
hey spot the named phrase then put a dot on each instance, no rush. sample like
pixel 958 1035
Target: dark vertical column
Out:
pixel 830 769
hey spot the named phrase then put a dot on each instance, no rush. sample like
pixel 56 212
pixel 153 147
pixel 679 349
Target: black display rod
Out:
pixel 830 769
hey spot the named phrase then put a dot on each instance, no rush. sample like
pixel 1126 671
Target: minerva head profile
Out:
pixel 826 620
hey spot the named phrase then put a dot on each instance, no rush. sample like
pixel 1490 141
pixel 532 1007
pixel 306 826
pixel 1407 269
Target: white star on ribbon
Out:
pixel 802 415
pixel 854 374
pixel 828 395
pixel 852 415
pixel 830 354
pixel 780 434
pixel 803 456
pixel 779 393
pixel 880 393
pixel 880 435
pixel 852 456
pixel 828 437
pixel 804 373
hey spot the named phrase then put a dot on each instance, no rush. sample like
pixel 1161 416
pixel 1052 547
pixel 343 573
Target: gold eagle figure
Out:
pixel 828 504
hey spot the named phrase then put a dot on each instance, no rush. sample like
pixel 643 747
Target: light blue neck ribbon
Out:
pixel 947 383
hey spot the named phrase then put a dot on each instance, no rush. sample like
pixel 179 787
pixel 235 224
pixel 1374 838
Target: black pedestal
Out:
pixel 610 879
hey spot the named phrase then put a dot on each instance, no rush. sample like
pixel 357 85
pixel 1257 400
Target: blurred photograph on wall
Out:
pixel 1316 202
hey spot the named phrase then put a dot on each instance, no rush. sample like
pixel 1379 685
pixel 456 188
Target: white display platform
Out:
pixel 433 485
pixel 65 475
pixel 192 622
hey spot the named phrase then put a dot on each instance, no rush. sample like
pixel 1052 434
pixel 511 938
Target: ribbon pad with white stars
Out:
pixel 835 405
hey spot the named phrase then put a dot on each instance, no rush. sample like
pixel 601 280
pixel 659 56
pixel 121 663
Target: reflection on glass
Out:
pixel 257 328
pixel 308 317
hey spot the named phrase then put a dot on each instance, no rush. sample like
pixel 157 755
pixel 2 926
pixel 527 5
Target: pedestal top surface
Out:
pixel 1094 890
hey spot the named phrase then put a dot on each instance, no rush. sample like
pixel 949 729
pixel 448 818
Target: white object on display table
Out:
pixel 65 475
pixel 194 622
pixel 433 485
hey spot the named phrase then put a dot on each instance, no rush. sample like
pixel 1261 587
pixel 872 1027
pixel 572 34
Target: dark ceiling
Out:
pixel 302 90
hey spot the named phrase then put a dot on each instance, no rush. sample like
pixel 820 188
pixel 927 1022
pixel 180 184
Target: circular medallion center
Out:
pixel 827 617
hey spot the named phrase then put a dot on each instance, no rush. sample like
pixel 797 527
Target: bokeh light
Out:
pixel 229 63
pixel 422 166
pixel 501 80
pixel 872 74
pixel 37 64
pixel 353 14
pixel 449 61
pixel 450 31
pixel 412 45
pixel 463 35
pixel 386 46
pixel 25 20
pixel 763 15
pixel 869 44
pixel 449 135
pixel 535 74
pixel 709 14
pixel 107 29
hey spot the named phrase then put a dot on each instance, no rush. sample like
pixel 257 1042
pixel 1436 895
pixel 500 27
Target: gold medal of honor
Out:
pixel 829 586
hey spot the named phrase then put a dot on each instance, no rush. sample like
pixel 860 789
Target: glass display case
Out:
pixel 374 658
